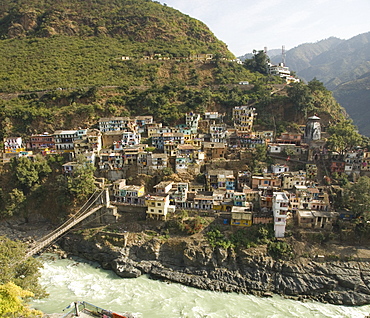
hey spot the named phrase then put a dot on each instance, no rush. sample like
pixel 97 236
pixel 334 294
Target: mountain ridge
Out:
pixel 344 68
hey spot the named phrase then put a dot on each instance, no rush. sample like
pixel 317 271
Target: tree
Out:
pixel 258 62
pixel 301 96
pixel 12 303
pixel 357 197
pixel 14 267
pixel 15 203
pixel 343 137
pixel 81 184
pixel 30 172
pixel 316 85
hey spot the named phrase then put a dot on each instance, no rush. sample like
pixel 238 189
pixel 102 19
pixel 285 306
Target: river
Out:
pixel 68 280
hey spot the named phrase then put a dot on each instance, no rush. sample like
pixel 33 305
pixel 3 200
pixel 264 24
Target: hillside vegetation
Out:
pixel 62 68
pixel 51 44
pixel 343 66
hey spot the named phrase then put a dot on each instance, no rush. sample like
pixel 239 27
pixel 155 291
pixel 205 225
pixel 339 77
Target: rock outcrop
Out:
pixel 198 265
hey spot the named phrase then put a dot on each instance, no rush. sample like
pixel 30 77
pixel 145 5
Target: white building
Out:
pixel 192 121
pixel 279 168
pixel 280 206
pixel 12 144
pixel 129 138
pixel 218 132
pixel 116 124
pixel 64 138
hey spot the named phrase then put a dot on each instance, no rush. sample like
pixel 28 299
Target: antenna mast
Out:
pixel 283 55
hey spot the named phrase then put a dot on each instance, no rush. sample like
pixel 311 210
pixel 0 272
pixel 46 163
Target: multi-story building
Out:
pixel 41 142
pixel 214 150
pixel 117 124
pixel 159 140
pixel 90 143
pixel 158 206
pixel 289 138
pixel 311 171
pixel 110 160
pixel 181 163
pixel 214 116
pixel 64 138
pixel 365 165
pixel 241 216
pixel 156 128
pixel 128 138
pixel 267 135
pixel 13 144
pixel 279 70
pixel 131 194
pixel 130 154
pixel 142 123
pixel 203 202
pixel 159 161
pixel 220 179
pixel 240 199
pixel 266 181
pixel 251 195
pixel 163 187
pixel 180 194
pixel 192 121
pixel 292 178
pixel 280 206
pixel 243 180
pixel 243 117
pixel 244 139
pixel 218 132
pixel 353 162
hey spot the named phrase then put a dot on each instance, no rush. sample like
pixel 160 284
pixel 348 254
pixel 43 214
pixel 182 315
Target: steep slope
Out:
pixel 343 66
pixel 135 20
pixel 48 44
pixel 354 96
pixel 346 62
pixel 300 57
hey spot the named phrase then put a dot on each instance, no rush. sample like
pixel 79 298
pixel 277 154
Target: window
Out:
pixel 151 210
pixel 159 204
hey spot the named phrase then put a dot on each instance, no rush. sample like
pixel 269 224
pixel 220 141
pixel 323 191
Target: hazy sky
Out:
pixel 245 25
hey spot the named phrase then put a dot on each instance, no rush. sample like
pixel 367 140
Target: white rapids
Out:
pixel 68 280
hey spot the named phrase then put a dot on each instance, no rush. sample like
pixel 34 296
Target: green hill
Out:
pixel 66 63
pixel 50 44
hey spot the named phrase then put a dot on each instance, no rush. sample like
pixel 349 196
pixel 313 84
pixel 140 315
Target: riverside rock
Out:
pixel 218 269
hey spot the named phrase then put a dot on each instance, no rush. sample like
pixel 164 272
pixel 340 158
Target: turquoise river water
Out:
pixel 68 280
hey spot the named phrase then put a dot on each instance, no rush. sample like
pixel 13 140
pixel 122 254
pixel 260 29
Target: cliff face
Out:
pixel 196 264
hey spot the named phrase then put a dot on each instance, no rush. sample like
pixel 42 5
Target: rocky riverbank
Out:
pixel 195 263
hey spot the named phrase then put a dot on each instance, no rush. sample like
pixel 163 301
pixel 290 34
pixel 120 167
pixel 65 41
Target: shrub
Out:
pixel 280 250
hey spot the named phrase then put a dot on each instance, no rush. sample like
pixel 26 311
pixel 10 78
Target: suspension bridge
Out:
pixel 97 201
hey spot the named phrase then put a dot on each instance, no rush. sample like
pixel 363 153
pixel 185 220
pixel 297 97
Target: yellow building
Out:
pixel 158 206
pixel 365 166
pixel 241 216
pixel 243 117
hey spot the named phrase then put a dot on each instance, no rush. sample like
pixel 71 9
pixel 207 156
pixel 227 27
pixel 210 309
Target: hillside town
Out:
pixel 213 156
